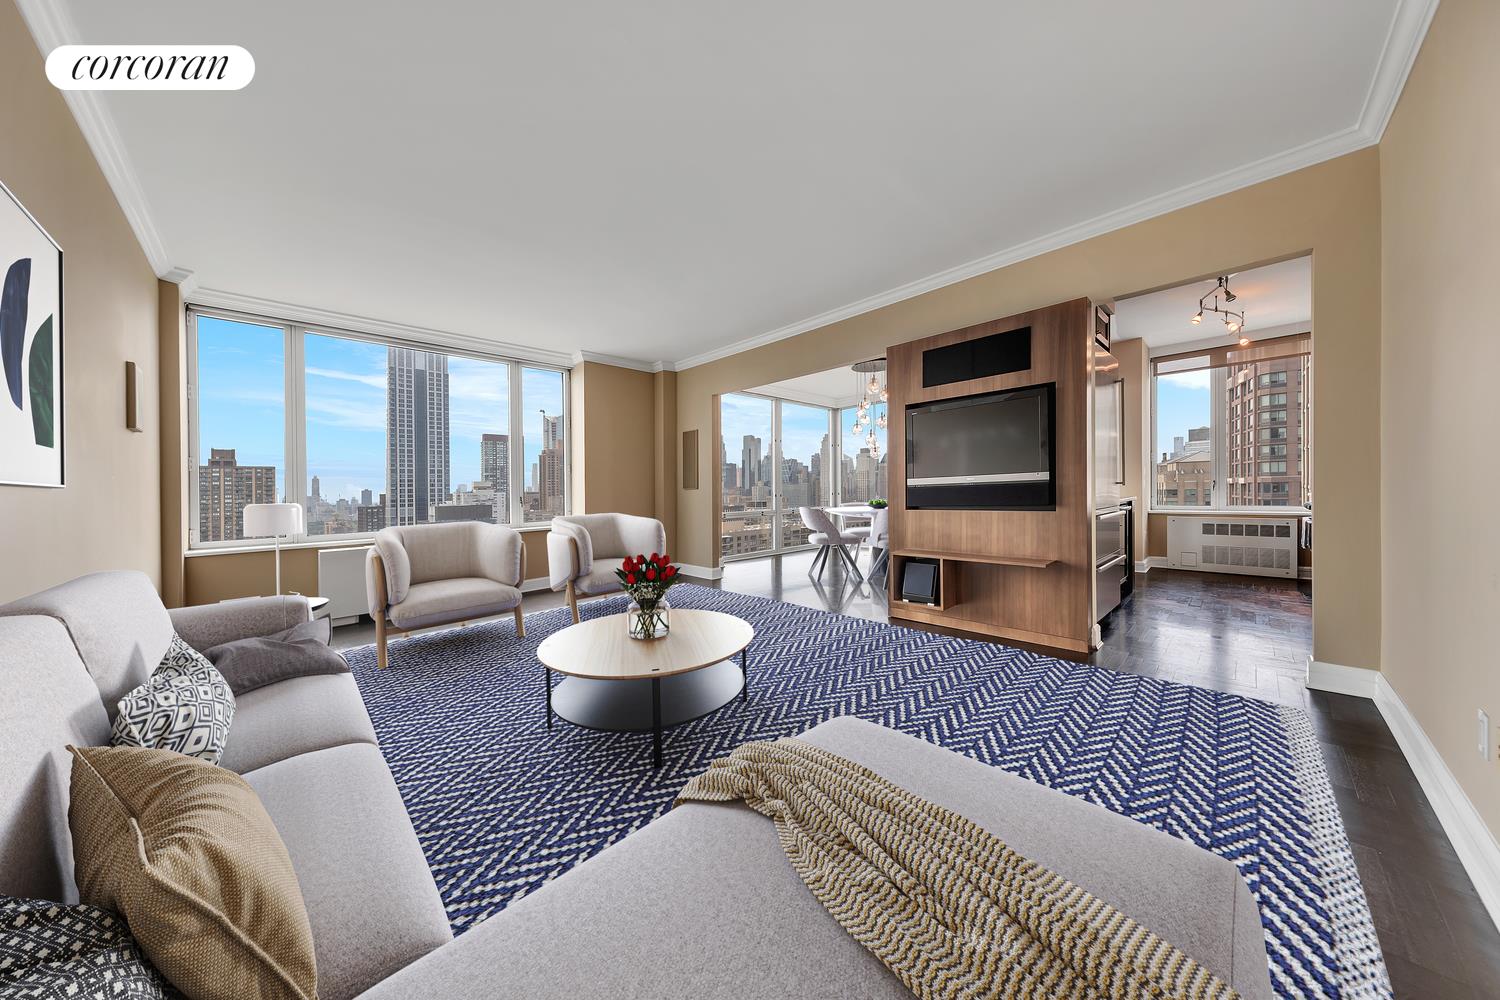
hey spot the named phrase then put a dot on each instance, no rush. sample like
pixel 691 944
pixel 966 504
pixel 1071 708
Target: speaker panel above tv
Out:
pixel 997 354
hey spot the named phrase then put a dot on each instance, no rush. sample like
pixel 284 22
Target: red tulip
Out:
pixel 665 558
pixel 626 565
pixel 670 572
pixel 630 580
pixel 651 574
pixel 654 557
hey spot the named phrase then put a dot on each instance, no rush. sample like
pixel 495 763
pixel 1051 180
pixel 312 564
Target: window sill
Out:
pixel 337 542
pixel 1281 512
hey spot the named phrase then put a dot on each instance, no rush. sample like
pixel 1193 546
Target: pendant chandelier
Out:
pixel 870 412
pixel 1234 322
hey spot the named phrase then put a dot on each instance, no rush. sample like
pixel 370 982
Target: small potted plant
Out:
pixel 647 579
pixel 879 503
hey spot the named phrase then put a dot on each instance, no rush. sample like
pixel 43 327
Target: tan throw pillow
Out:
pixel 186 853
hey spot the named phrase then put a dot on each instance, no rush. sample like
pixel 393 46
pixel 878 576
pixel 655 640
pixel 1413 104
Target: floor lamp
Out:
pixel 276 519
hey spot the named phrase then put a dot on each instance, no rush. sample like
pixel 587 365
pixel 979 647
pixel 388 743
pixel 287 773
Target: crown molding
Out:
pixel 340 322
pixel 635 364
pixel 51 26
pixel 1403 41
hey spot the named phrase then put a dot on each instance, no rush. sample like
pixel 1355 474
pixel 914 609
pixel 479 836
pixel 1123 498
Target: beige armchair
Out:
pixel 584 550
pixel 421 575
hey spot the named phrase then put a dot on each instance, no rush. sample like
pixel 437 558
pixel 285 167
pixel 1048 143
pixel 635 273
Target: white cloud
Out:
pixel 375 381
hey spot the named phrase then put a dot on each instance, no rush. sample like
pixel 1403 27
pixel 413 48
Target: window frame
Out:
pixel 775 512
pixel 1220 435
pixel 294 409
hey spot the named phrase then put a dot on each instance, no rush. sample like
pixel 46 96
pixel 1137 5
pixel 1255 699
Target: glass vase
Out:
pixel 650 621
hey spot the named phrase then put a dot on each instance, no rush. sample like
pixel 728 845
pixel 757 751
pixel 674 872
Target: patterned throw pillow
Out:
pixel 54 952
pixel 185 706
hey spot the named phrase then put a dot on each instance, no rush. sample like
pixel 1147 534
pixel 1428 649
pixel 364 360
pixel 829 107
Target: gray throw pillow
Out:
pixel 184 706
pixel 50 950
pixel 300 651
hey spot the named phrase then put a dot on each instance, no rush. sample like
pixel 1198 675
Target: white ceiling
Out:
pixel 836 387
pixel 1276 300
pixel 662 181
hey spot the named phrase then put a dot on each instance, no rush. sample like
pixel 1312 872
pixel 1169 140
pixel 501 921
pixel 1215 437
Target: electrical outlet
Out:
pixel 1484 735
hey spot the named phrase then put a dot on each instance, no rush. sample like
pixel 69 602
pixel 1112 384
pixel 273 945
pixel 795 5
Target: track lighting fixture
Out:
pixel 1234 322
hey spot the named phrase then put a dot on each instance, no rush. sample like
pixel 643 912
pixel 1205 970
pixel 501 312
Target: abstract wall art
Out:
pixel 31 405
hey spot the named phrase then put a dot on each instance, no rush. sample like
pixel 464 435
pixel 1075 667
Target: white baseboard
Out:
pixel 1339 679
pixel 702 572
pixel 534 584
pixel 1471 839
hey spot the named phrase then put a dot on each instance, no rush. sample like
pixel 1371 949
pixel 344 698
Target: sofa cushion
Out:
pixel 295 717
pixel 185 852
pixel 117 623
pixel 257 661
pixel 185 706
pixel 692 904
pixel 601 581
pixel 370 896
pixel 440 601
pixel 47 700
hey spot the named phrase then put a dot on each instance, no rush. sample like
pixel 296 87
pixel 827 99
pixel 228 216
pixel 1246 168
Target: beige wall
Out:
pixel 1135 363
pixel 172 421
pixel 615 440
pixel 1440 199
pixel 1332 209
pixel 107 516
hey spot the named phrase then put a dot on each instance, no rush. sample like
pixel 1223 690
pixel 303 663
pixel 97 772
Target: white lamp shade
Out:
pixel 279 519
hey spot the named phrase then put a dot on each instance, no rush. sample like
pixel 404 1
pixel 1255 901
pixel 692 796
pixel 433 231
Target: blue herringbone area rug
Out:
pixel 501 804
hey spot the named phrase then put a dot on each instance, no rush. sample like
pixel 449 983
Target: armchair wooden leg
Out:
pixel 380 653
pixel 520 623
pixel 573 602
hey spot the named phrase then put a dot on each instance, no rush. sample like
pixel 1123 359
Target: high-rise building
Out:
pixel 750 470
pixel 370 517
pixel 317 488
pixel 1266 415
pixel 366 498
pixel 224 488
pixel 550 474
pixel 494 469
pixel 416 419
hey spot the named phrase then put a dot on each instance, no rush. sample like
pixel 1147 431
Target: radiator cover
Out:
pixel 1253 546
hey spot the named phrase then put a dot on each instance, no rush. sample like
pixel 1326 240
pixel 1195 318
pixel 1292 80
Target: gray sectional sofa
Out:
pixel 699 903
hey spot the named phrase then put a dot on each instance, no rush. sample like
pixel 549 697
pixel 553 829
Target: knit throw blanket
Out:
pixel 947 906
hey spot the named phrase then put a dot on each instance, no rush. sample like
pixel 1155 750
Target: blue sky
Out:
pixel 240 375
pixel 1182 401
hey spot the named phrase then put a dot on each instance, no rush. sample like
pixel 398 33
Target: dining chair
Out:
pixel 829 536
pixel 880 544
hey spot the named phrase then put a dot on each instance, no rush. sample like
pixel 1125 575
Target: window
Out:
pixel 863 470
pixel 775 456
pixel 1220 438
pixel 241 426
pixel 389 433
pixel 544 436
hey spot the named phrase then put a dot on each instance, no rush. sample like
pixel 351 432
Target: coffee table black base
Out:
pixel 647 705
pixel 625 706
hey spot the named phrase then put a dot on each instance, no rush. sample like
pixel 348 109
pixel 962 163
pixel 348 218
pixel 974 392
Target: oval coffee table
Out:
pixel 619 684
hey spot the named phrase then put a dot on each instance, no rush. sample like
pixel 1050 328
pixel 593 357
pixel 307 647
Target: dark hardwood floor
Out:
pixel 1252 637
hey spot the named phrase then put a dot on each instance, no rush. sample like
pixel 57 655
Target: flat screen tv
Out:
pixel 988 452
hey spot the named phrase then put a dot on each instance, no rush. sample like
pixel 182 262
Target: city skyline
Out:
pixel 241 407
